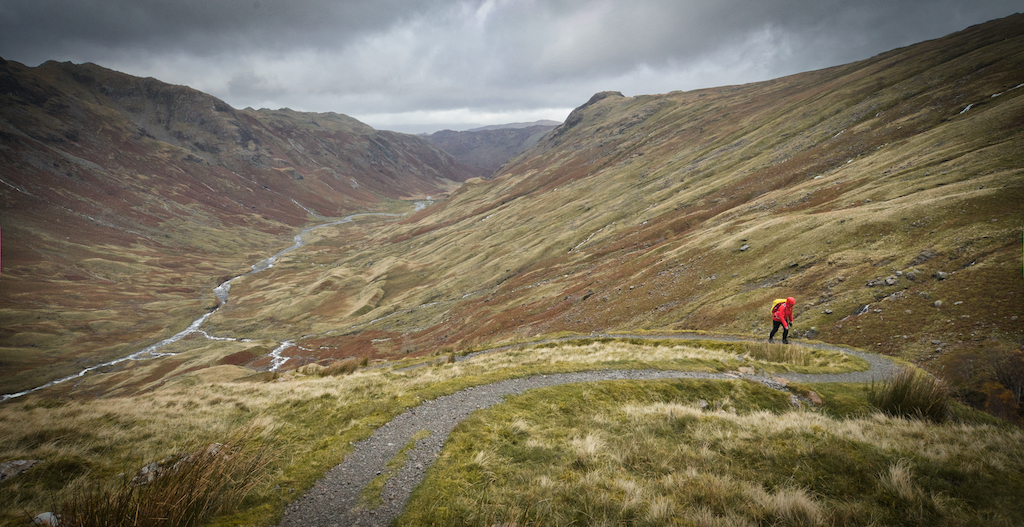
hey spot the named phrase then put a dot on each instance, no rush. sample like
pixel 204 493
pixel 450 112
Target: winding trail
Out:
pixel 334 500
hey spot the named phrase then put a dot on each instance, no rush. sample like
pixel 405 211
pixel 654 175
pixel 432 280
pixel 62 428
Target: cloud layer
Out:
pixel 423 65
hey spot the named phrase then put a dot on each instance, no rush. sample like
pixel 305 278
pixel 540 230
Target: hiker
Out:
pixel 782 315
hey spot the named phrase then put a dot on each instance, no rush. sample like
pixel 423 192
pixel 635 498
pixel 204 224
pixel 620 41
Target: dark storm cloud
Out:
pixel 46 28
pixel 396 62
pixel 568 39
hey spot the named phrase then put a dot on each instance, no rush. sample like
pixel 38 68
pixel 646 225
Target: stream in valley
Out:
pixel 221 292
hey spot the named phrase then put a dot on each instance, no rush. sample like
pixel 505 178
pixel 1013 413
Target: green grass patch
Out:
pixel 370 497
pixel 841 400
pixel 651 453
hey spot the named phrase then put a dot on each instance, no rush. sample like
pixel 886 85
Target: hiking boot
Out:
pixel 770 341
pixel 785 341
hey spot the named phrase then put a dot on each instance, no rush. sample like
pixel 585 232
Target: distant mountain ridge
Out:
pixel 490 147
pixel 542 122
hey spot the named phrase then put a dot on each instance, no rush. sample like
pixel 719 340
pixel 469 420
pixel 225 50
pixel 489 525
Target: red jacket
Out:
pixel 782 311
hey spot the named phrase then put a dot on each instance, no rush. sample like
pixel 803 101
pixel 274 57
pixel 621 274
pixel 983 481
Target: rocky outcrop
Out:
pixel 10 469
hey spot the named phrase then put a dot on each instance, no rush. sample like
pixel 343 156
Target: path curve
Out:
pixel 333 500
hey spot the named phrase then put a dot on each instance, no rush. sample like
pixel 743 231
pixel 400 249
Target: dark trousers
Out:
pixel 775 328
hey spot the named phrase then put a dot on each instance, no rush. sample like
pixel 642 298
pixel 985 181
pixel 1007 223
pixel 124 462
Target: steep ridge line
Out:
pixel 334 500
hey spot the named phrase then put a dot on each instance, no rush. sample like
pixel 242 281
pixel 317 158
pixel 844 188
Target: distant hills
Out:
pixel 542 122
pixel 490 147
pixel 883 194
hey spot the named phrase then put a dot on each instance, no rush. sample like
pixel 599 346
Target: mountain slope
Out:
pixel 490 147
pixel 884 195
pixel 126 200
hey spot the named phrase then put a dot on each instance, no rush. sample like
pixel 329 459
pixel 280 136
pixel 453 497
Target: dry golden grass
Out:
pixel 192 489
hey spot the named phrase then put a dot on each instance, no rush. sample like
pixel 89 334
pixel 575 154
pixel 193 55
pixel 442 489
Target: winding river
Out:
pixel 221 292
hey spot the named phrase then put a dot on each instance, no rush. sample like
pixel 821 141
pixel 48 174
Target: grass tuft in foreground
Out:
pixel 912 393
pixel 192 489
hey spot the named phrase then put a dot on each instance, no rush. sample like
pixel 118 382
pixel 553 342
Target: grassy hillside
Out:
pixel 127 200
pixel 649 454
pixel 884 195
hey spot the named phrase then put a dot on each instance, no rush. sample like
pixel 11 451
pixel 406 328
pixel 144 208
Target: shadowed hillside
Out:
pixel 126 200
pixel 490 147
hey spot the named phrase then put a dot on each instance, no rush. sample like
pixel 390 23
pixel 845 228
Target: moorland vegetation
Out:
pixel 593 453
pixel 884 195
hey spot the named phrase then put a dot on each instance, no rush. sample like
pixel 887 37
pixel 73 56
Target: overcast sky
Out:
pixel 425 65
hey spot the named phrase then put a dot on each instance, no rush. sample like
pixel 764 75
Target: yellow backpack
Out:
pixel 776 303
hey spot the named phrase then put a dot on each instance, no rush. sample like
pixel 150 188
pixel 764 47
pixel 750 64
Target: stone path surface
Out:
pixel 333 501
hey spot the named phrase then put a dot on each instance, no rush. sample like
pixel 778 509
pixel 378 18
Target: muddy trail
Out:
pixel 335 499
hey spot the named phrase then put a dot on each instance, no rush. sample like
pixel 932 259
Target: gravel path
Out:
pixel 333 500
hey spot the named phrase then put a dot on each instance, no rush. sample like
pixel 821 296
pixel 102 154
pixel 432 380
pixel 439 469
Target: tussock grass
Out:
pixel 681 354
pixel 647 453
pixel 197 487
pixel 781 354
pixel 912 393
pixel 341 367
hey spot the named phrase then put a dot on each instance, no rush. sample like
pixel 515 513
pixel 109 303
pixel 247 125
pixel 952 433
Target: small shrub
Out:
pixel 1010 372
pixel 912 393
